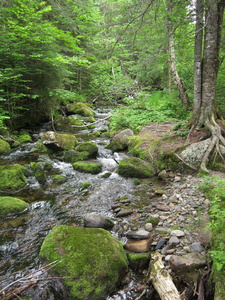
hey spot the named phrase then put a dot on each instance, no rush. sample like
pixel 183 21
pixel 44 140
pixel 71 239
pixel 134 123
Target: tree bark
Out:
pixel 177 79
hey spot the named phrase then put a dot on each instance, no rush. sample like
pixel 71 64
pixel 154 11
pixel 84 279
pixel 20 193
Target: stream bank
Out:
pixel 169 203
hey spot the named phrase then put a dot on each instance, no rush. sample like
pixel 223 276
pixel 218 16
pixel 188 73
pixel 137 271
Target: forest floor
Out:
pixel 158 131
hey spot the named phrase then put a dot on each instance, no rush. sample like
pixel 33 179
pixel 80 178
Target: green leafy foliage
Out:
pixel 157 107
pixel 214 188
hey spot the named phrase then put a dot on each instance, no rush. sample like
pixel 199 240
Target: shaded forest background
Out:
pixel 102 52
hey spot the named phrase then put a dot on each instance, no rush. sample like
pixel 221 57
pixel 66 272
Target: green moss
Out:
pixel 12 205
pixel 137 181
pixel 85 185
pixel 80 109
pixel 66 141
pixel 59 179
pixel 135 167
pixel 68 124
pixel 87 167
pixel 138 261
pixel 4 147
pixel 39 173
pixel 91 260
pixel 41 148
pixel 12 177
pixel 154 221
pixel 90 149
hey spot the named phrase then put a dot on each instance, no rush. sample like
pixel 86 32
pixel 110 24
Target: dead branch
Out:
pixel 12 290
pixel 161 279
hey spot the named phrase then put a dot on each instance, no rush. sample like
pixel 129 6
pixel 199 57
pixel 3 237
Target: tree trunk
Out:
pixel 178 81
pixel 205 72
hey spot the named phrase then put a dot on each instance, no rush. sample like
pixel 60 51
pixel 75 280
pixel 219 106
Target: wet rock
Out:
pixel 120 141
pixel 138 234
pixel 124 212
pixel 138 246
pixel 98 221
pixel 88 167
pixel 58 141
pixel 160 244
pixel 39 172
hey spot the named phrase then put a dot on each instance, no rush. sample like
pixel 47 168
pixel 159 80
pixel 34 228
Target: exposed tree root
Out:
pixel 217 138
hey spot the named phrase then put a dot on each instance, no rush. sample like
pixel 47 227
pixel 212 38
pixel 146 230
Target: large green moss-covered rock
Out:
pixel 68 124
pixel 135 167
pixel 12 205
pixel 12 177
pixel 80 109
pixel 90 148
pixel 92 262
pixel 4 147
pixel 120 141
pixel 58 141
pixel 87 167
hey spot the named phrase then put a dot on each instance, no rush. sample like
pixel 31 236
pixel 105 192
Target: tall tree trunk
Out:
pixel 177 79
pixel 206 69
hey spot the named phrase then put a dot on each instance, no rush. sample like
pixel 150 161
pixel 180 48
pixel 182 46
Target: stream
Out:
pixel 52 204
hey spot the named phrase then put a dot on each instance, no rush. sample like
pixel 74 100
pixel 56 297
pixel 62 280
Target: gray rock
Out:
pixel 98 221
pixel 174 240
pixel 177 233
pixel 197 247
pixel 138 234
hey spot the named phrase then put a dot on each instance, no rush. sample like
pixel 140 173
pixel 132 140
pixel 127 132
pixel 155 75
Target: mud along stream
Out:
pixel 53 203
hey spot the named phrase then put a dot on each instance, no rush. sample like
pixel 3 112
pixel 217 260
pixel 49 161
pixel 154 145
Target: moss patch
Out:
pixel 135 167
pixel 80 109
pixel 4 147
pixel 12 177
pixel 87 167
pixel 92 261
pixel 39 173
pixel 12 205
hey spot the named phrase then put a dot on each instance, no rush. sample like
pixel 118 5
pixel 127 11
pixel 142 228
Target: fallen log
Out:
pixel 161 279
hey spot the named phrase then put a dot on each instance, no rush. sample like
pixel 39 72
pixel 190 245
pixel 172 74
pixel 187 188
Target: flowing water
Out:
pixel 66 203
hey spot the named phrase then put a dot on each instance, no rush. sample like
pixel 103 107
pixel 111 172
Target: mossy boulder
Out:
pixel 12 177
pixel 68 124
pixel 21 137
pixel 135 167
pixel 89 148
pixel 59 179
pixel 91 261
pixel 120 141
pixel 88 167
pixel 12 205
pixel 4 147
pixel 80 109
pixel 58 141
pixel 39 172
